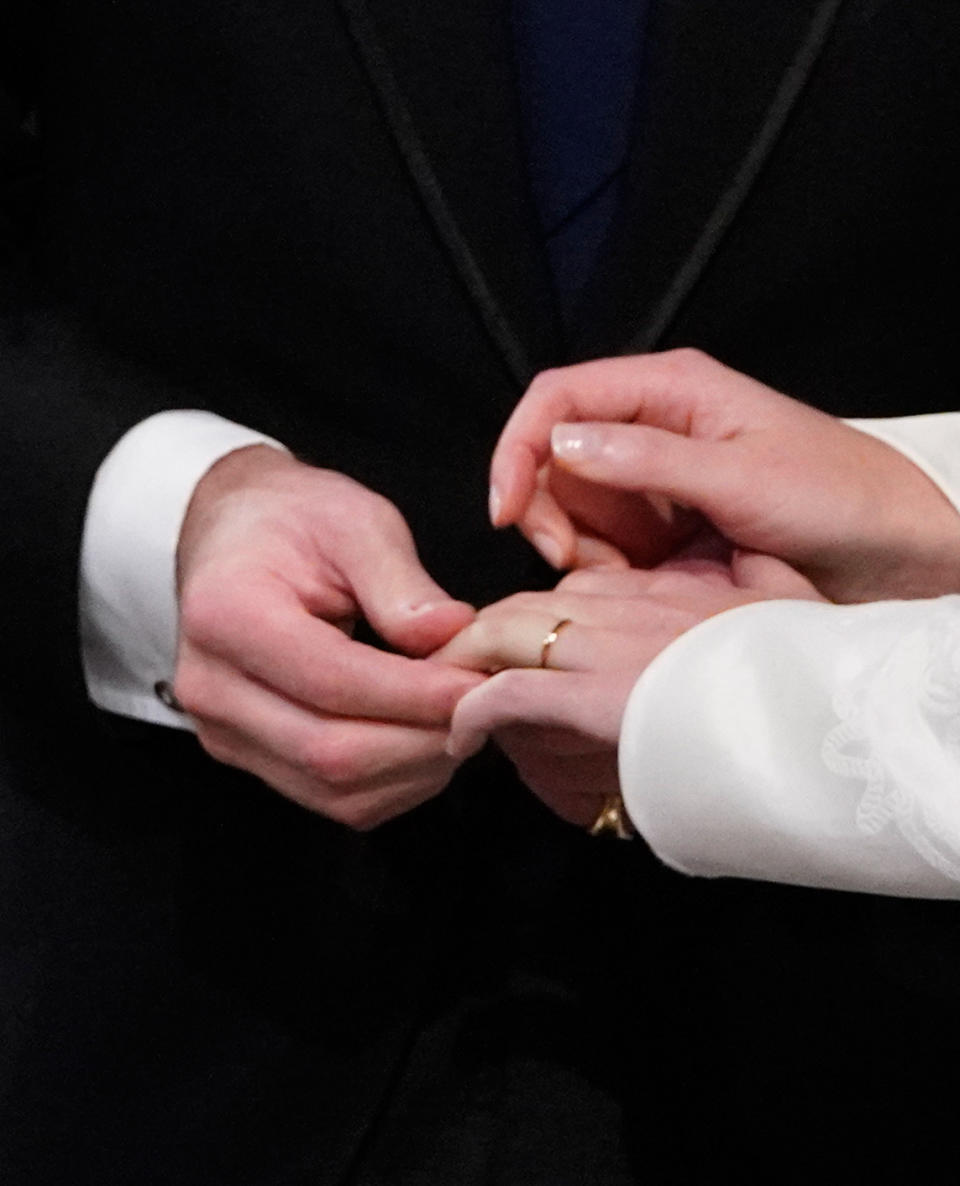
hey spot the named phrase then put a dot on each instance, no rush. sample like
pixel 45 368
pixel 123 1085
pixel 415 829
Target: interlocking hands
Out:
pixel 696 488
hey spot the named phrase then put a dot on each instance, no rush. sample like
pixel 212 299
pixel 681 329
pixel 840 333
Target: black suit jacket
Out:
pixel 312 217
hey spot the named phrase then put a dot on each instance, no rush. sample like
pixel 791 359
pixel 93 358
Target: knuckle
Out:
pixel 525 602
pixel 688 358
pixel 581 580
pixel 506 688
pixel 194 689
pixel 380 509
pixel 356 814
pixel 376 512
pixel 663 584
pixel 683 365
pixel 352 512
pixel 217 745
pixel 212 612
pixel 548 384
pixel 200 613
pixel 485 633
pixel 489 621
pixel 331 760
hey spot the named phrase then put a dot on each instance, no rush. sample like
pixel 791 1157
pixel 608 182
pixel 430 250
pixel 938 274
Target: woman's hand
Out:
pixel 771 474
pixel 560 726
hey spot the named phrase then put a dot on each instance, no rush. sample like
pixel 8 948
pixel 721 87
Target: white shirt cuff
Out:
pixel 128 600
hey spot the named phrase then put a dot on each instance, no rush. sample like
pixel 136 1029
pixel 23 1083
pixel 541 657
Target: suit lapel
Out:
pixel 720 81
pixel 443 75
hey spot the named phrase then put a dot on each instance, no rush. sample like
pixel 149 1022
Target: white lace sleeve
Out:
pixel 806 743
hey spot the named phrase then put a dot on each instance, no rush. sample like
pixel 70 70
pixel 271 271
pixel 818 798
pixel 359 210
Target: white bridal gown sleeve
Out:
pixel 809 743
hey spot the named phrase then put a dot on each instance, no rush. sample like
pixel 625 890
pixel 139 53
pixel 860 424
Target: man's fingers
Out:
pixel 316 759
pixel 333 749
pixel 399 598
pixel 262 630
pixel 360 808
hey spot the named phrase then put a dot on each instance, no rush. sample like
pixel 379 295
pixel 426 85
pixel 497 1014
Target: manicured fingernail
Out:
pixel 548 548
pixel 465 746
pixel 576 442
pixel 496 505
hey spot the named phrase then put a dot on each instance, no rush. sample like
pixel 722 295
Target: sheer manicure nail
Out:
pixel 576 442
pixel 549 548
pixel 496 505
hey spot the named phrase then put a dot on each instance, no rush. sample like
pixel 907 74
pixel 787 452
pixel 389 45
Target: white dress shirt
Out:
pixel 788 741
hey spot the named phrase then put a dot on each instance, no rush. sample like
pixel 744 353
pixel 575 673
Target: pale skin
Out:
pixel 560 726
pixel 588 443
pixel 855 519
pixel 276 561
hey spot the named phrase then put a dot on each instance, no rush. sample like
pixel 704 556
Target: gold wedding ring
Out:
pixel 551 639
pixel 612 819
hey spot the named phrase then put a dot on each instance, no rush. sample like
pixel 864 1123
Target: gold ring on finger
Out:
pixel 550 639
pixel 612 819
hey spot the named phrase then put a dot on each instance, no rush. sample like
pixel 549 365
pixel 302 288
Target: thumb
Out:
pixel 399 598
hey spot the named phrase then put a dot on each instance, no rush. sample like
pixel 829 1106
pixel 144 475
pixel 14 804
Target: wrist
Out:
pixel 237 471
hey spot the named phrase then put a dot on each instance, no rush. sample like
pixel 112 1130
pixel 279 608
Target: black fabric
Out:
pixel 577 78
pixel 206 204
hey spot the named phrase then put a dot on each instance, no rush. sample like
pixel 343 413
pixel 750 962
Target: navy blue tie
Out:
pixel 578 65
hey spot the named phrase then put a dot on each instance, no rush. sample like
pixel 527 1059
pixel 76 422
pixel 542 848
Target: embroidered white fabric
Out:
pixel 919 680
pixel 807 743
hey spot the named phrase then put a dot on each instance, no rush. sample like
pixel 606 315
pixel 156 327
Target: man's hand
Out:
pixel 771 474
pixel 276 562
pixel 561 726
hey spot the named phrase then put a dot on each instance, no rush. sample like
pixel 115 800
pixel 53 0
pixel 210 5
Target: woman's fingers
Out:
pixel 673 390
pixel 637 457
pixel 548 527
pixel 612 618
pixel 575 788
pixel 592 704
pixel 771 577
pixel 598 631
pixel 522 641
